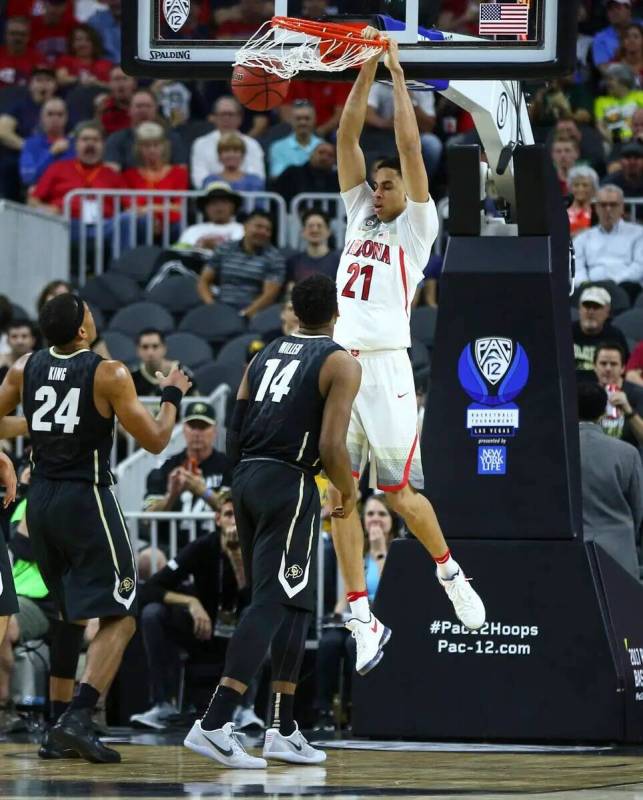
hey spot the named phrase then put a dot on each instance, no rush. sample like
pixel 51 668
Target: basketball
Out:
pixel 257 89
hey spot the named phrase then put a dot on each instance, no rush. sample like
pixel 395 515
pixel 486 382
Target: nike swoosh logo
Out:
pixel 294 746
pixel 227 753
pixel 402 395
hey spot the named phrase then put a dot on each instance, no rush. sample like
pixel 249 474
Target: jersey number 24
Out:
pixel 66 413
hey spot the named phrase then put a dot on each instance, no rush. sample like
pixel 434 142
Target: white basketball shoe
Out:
pixel 469 608
pixel 294 749
pixel 370 637
pixel 222 745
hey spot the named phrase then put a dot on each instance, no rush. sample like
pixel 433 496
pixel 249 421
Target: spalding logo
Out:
pixel 176 13
pixel 294 572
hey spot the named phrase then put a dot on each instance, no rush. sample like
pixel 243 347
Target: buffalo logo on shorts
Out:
pixel 294 572
pixel 126 586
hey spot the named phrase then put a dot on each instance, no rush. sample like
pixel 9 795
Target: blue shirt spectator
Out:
pixel 108 24
pixel 48 145
pixel 296 149
pixel 607 42
pixel 247 183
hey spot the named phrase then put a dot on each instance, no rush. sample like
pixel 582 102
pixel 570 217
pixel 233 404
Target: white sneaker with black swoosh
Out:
pixel 294 749
pixel 370 637
pixel 222 745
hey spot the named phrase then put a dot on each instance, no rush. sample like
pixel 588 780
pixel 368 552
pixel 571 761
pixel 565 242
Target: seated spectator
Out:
pixel 152 151
pixel 589 140
pixel 204 160
pixel 335 645
pixel 120 147
pixel 192 480
pixel 107 24
pixel 182 604
pixel 21 339
pixel 623 418
pixel 86 171
pixel 318 174
pixel 614 110
pixel 607 41
pixel 114 110
pixel 17 59
pixel 631 51
pixel 611 481
pixel 19 121
pixel 249 272
pixel 317 257
pixel 232 152
pixel 327 97
pixel 593 327
pixel 241 20
pixel 152 352
pixel 564 154
pixel 219 206
pixel 83 63
pixel 295 149
pixel 50 30
pixel 613 249
pixel 379 115
pixel 583 185
pixel 49 145
pixel 629 178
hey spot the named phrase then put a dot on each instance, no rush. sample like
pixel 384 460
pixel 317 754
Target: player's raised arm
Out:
pixel 342 374
pixel 407 134
pixel 351 166
pixel 11 395
pixel 114 385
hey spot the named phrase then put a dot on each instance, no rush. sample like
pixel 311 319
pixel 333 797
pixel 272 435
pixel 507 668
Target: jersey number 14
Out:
pixel 276 385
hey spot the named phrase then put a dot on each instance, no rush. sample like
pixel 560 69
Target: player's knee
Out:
pixel 334 497
pixel 399 500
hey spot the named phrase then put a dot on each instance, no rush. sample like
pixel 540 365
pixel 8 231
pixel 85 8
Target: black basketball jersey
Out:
pixel 285 409
pixel 70 440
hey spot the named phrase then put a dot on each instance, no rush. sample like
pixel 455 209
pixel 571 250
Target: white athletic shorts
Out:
pixel 383 426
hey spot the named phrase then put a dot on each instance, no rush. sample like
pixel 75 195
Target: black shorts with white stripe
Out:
pixel 278 512
pixel 8 599
pixel 82 547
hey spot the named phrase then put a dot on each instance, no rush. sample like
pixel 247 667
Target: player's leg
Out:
pixel 284 741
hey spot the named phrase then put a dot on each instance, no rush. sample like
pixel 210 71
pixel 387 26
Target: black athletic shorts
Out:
pixel 277 510
pixel 8 599
pixel 82 547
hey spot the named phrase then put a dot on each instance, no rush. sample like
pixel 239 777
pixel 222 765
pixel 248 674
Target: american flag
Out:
pixel 498 19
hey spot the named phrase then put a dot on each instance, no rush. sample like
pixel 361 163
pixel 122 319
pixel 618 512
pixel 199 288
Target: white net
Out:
pixel 284 52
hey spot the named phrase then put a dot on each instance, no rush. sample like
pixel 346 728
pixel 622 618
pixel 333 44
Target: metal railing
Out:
pixel 132 224
pixel 632 203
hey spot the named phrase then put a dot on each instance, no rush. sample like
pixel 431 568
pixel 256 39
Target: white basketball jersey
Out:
pixel 379 271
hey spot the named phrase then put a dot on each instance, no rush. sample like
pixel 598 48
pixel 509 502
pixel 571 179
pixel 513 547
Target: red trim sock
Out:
pixel 358 602
pixel 443 559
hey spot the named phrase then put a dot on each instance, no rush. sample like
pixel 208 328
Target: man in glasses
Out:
pixel 613 249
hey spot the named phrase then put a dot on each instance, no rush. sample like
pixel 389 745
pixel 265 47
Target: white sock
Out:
pixel 360 609
pixel 448 569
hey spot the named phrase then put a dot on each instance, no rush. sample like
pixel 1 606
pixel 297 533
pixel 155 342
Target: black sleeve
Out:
pixel 179 569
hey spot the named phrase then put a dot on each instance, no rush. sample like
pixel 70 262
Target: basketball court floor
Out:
pixel 151 769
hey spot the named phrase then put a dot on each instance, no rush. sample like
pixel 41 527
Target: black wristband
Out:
pixel 172 394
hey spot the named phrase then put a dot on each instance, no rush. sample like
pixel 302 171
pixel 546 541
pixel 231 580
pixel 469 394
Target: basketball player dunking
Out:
pixel 389 235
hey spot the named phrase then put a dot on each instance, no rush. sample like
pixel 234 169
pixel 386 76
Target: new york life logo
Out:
pixel 493 371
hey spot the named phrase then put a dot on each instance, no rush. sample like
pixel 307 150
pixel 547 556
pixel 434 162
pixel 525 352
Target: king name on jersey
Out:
pixel 367 248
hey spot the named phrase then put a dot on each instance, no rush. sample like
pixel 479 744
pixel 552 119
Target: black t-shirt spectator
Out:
pixel 146 385
pixel 295 180
pixel 585 345
pixel 301 265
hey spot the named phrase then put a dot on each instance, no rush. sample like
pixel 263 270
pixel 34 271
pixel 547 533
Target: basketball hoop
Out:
pixel 285 46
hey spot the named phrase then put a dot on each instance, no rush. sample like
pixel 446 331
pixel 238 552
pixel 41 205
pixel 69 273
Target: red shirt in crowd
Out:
pixel 326 96
pixel 15 70
pixel 99 67
pixel 177 178
pixel 114 118
pixel 64 176
pixel 636 359
pixel 33 8
pixel 579 219
pixel 51 40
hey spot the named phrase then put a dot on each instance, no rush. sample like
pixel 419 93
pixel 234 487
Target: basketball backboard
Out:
pixel 438 38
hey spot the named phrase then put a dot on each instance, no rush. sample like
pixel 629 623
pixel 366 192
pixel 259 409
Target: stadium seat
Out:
pixel 138 263
pixel 639 301
pixel 209 376
pixel 631 323
pixel 99 318
pixel 110 292
pixel 177 293
pixel 236 350
pixel 18 312
pixel 423 324
pixel 189 349
pixel 138 316
pixel 420 357
pixel 267 321
pixel 215 323
pixel 120 347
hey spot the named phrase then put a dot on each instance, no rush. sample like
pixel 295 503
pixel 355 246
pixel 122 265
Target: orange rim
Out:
pixel 329 30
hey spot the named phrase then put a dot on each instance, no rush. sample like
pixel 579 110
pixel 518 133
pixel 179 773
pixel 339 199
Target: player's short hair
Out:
pixel 258 212
pixel 391 163
pixel 151 332
pixel 61 317
pixel 592 400
pixel 610 346
pixel 314 301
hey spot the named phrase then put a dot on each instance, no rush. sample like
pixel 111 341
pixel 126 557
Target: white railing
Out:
pixel 631 205
pixel 132 224
pixel 143 528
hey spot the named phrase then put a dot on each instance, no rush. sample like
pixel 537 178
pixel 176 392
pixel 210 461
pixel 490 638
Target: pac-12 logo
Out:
pixel 493 361
pixel 176 13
